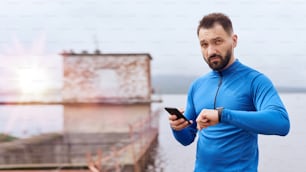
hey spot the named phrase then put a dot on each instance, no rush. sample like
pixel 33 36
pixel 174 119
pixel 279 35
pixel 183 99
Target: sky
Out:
pixel 271 36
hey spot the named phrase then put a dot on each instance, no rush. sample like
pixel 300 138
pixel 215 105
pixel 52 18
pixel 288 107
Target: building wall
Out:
pixel 105 92
pixel 103 118
pixel 99 78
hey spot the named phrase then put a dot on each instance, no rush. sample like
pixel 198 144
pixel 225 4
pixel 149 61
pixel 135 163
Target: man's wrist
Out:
pixel 220 110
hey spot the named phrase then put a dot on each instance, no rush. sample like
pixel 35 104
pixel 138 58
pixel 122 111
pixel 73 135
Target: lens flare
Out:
pixel 32 80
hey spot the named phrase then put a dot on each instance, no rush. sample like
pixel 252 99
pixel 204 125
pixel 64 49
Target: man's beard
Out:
pixel 220 64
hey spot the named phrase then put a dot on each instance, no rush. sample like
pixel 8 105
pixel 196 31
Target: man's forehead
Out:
pixel 212 33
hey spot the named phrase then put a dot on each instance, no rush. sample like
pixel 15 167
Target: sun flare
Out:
pixel 32 80
pixel 32 75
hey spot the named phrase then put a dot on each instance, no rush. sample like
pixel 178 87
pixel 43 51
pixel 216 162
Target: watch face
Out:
pixel 219 109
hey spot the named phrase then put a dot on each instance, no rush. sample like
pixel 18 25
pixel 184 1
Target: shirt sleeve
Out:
pixel 188 134
pixel 270 117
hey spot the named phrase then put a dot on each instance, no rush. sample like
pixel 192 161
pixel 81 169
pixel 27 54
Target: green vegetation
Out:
pixel 6 138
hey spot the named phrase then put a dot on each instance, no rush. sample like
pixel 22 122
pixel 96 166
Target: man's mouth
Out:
pixel 214 59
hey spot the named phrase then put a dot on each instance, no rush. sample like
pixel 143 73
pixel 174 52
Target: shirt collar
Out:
pixel 228 70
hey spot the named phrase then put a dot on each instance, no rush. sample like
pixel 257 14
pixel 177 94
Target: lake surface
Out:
pixel 281 154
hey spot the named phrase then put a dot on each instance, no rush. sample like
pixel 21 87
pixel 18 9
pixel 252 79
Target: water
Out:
pixel 281 154
pixel 26 121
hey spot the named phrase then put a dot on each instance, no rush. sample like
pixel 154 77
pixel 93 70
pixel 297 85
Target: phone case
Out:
pixel 175 111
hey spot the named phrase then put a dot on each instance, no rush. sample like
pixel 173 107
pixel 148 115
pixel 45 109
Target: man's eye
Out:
pixel 218 41
pixel 204 45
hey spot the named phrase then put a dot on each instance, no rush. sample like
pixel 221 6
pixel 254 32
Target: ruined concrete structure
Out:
pixel 104 78
pixel 101 91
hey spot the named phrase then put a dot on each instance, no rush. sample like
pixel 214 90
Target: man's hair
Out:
pixel 211 19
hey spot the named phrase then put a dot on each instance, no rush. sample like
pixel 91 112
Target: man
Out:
pixel 229 106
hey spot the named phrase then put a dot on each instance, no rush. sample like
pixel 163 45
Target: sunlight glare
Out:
pixel 32 80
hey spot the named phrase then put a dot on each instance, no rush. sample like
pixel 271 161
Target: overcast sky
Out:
pixel 271 34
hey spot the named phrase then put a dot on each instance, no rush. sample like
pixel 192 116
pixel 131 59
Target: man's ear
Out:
pixel 235 40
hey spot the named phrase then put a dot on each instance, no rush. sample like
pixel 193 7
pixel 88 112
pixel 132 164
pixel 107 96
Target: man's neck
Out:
pixel 232 60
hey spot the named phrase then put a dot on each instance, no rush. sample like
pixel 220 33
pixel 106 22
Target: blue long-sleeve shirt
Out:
pixel 251 105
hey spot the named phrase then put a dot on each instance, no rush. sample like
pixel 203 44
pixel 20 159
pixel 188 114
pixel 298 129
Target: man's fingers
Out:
pixel 178 124
pixel 200 127
pixel 205 120
pixel 182 110
pixel 182 123
pixel 202 122
pixel 172 117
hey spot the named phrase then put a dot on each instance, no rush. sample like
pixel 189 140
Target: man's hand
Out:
pixel 178 124
pixel 206 118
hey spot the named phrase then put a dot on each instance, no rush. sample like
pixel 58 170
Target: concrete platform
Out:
pixel 68 152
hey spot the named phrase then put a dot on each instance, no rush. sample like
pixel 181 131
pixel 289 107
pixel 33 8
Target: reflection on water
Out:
pixel 28 120
pixel 280 154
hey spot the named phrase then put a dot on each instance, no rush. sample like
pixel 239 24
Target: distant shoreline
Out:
pixel 177 84
pixel 161 84
pixel 291 89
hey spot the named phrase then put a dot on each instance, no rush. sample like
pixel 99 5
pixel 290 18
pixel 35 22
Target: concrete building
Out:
pixel 106 78
pixel 105 92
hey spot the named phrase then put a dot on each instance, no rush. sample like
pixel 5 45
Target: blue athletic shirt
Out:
pixel 251 105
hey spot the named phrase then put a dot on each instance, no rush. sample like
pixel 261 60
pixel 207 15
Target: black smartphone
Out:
pixel 175 111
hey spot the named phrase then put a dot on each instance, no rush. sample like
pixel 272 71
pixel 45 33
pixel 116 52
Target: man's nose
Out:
pixel 211 50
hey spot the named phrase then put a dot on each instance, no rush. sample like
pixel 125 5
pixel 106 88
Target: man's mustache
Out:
pixel 214 55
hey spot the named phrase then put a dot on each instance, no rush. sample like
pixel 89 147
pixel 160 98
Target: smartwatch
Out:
pixel 219 109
